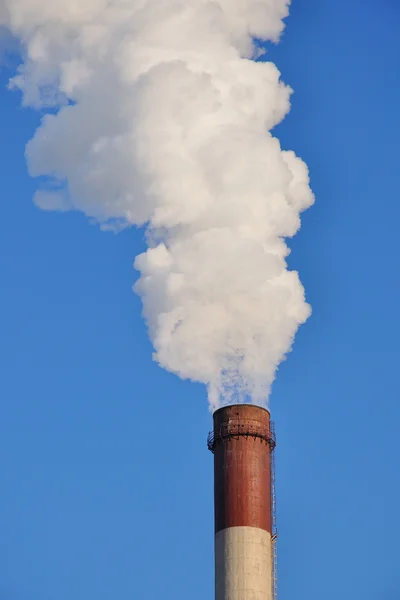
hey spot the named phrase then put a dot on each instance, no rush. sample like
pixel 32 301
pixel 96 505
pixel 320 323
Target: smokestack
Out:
pixel 243 442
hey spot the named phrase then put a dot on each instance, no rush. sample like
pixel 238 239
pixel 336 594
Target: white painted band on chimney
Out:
pixel 243 564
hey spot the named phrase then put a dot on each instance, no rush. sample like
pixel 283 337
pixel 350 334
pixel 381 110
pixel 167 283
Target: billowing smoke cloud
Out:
pixel 160 117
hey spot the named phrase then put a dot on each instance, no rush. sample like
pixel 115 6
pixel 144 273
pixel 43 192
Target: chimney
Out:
pixel 243 442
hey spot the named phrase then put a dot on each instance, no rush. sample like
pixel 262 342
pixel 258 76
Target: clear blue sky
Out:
pixel 106 482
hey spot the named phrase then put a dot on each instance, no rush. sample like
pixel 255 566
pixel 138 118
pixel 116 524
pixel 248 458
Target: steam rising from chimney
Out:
pixel 162 120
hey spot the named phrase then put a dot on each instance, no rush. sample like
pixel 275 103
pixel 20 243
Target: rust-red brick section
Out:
pixel 242 468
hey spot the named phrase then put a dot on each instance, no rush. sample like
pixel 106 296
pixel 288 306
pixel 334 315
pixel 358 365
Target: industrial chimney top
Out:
pixel 237 420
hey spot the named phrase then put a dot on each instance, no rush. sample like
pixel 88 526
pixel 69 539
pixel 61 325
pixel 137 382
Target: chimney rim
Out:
pixel 239 404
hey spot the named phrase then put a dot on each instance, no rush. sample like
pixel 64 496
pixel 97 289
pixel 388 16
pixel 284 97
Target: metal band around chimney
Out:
pixel 232 431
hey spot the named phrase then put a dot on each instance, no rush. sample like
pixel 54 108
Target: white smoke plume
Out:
pixel 159 117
